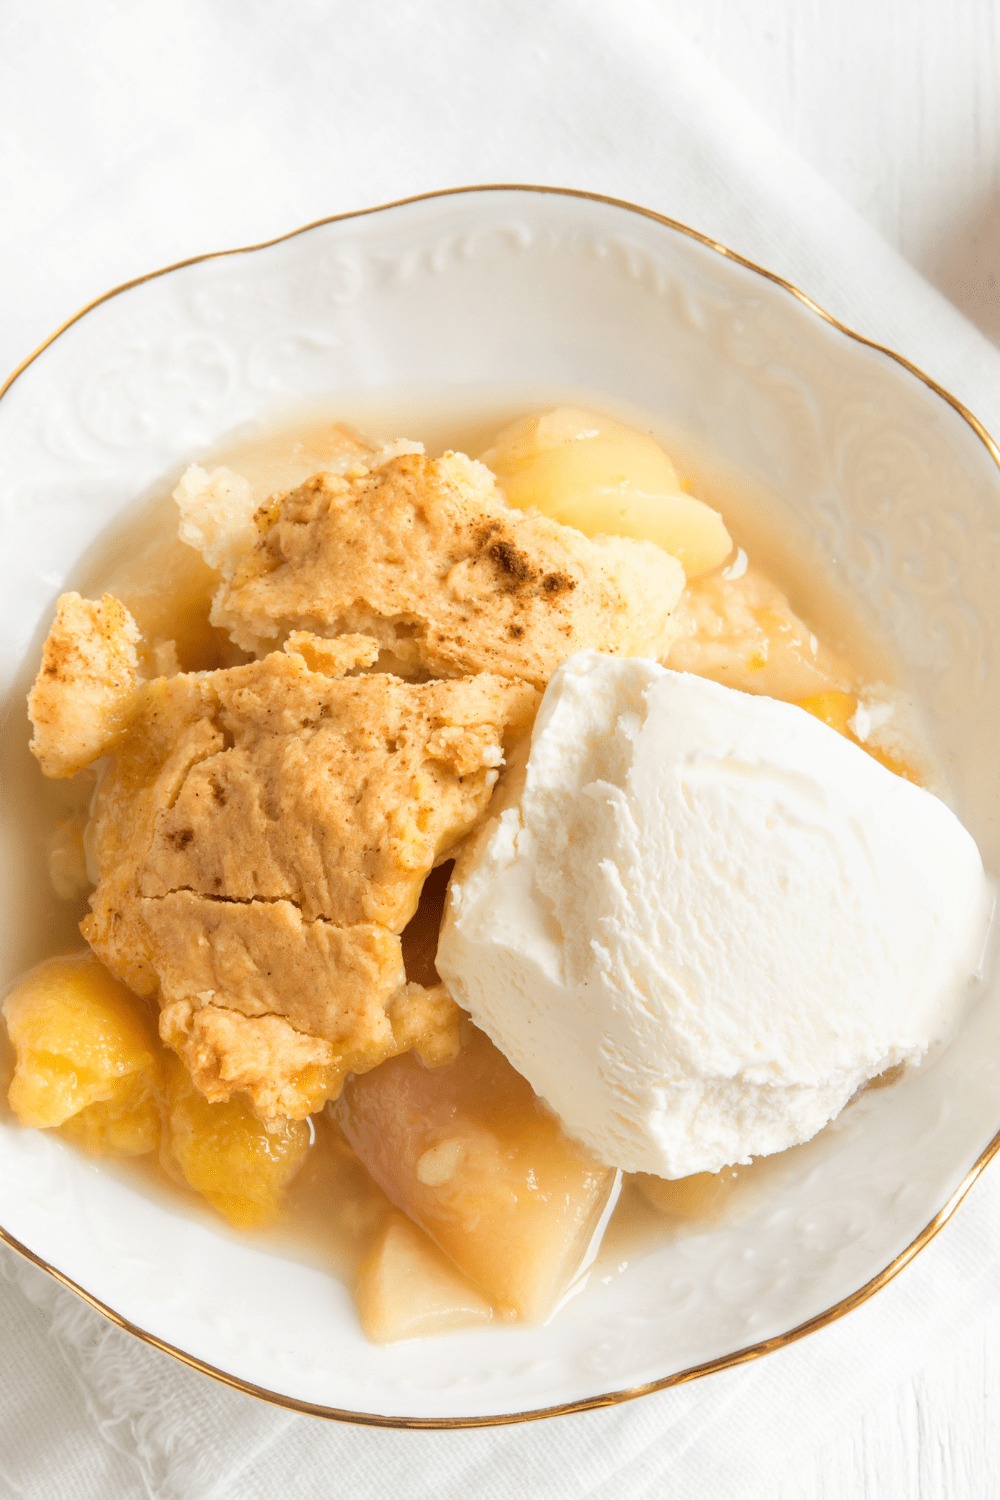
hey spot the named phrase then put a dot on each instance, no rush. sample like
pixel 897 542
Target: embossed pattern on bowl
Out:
pixel 890 487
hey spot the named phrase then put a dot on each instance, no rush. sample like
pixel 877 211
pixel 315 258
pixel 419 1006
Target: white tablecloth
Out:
pixel 137 135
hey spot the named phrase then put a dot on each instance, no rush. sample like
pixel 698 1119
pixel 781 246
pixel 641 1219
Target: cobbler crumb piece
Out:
pixel 426 557
pixel 261 838
pixel 86 688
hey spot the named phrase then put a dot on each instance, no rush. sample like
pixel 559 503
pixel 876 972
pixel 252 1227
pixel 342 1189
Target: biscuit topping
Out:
pixel 85 689
pixel 426 557
pixel 262 838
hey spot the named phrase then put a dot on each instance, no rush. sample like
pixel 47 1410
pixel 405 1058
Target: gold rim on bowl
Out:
pixel 723 1362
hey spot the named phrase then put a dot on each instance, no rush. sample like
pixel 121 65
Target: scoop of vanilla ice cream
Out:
pixel 701 919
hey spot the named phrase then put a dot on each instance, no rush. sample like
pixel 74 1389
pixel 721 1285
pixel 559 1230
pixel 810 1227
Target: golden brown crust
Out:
pixel 336 794
pixel 85 690
pixel 262 958
pixel 335 657
pixel 429 1021
pixel 286 1074
pixel 425 556
pixel 262 839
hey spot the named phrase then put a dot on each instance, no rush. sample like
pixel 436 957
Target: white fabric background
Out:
pixel 134 135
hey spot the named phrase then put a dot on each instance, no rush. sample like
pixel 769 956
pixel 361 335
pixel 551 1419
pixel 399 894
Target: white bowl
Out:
pixel 885 482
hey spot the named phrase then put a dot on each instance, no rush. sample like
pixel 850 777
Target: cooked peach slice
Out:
pixel 225 1153
pixel 126 1125
pixel 407 1289
pixel 469 1153
pixel 741 631
pixel 702 1196
pixel 87 1057
pixel 604 478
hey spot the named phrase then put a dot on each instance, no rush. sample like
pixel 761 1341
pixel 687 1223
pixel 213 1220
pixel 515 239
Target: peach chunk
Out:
pixel 127 1125
pixel 469 1153
pixel 702 1196
pixel 741 631
pixel 225 1153
pixel 407 1289
pixel 87 1057
pixel 604 478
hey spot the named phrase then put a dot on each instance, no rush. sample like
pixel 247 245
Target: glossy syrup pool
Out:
pixel 332 1208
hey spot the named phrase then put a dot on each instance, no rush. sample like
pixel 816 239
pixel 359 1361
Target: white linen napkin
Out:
pixel 146 134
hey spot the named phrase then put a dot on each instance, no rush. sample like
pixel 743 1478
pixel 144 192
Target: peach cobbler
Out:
pixel 286 763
